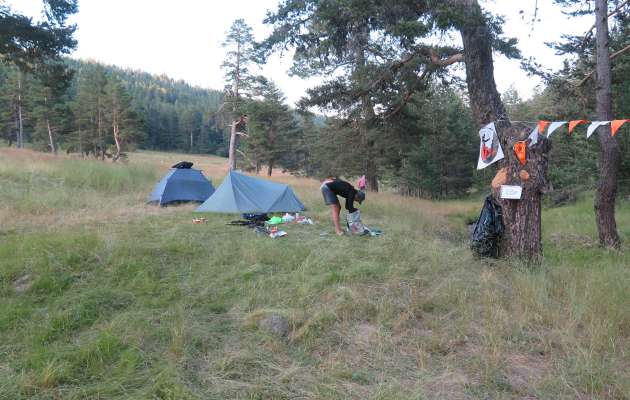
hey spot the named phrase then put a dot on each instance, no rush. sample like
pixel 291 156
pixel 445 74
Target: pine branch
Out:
pixel 587 34
pixel 612 57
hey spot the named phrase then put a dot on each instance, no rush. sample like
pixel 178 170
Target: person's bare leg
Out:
pixel 336 208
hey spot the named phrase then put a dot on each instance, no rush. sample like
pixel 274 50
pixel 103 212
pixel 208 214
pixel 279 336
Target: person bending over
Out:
pixel 333 187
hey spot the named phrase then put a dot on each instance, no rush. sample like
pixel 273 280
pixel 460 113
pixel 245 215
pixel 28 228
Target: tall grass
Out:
pixel 154 307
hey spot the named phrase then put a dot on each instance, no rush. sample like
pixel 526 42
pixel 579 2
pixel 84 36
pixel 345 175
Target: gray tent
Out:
pixel 182 184
pixel 240 193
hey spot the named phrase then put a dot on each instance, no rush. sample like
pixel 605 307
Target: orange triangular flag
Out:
pixel 616 124
pixel 520 149
pixel 573 124
pixel 542 125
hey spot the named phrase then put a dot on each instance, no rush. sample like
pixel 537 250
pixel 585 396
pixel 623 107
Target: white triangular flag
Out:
pixel 594 125
pixel 533 137
pixel 490 150
pixel 554 126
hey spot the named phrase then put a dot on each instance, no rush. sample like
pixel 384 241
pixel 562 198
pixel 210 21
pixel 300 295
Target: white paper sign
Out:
pixel 511 192
pixel 490 150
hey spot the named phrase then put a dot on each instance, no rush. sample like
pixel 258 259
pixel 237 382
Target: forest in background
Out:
pixel 421 139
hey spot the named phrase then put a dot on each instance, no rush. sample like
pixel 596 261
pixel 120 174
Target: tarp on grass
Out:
pixel 239 193
pixel 182 184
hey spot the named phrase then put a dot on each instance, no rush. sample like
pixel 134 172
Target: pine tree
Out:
pixel 270 125
pixel 239 57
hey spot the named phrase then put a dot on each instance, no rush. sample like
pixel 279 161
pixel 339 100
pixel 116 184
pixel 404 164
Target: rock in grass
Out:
pixel 274 323
pixel 22 284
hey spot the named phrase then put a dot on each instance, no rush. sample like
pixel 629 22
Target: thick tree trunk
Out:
pixel 269 167
pixel 522 218
pixel 609 155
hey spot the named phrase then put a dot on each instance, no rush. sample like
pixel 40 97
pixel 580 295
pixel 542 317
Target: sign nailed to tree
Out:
pixel 490 150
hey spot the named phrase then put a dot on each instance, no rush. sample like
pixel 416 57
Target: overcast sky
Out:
pixel 182 39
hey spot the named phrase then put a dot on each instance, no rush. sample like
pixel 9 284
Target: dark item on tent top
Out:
pixel 183 165
pixel 182 185
pixel 239 194
pixel 488 230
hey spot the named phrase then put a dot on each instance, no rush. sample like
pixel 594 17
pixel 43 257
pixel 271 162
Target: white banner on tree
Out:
pixel 490 150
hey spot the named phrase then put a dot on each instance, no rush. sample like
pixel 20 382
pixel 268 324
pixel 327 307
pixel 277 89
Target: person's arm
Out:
pixel 350 201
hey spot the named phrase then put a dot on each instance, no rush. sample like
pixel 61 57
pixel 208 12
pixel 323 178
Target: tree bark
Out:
pixel 117 140
pixel 51 142
pixel 609 155
pixel 522 218
pixel 232 151
pixel 235 89
pixel 269 167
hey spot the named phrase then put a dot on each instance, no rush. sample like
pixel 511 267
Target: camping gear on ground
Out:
pixel 275 221
pixel 239 193
pixel 354 224
pixel 182 185
pixel 199 221
pixel 288 218
pixel 488 230
pixel 262 217
pixel 183 165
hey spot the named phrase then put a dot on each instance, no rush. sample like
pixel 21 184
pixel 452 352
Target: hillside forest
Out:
pixel 419 137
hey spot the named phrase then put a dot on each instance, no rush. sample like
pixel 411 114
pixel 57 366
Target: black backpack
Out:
pixel 488 230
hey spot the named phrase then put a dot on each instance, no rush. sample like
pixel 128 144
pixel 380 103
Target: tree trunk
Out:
pixel 232 151
pixel 20 136
pixel 99 124
pixel 269 167
pixel 191 140
pixel 360 42
pixel 609 155
pixel 117 140
pixel 51 142
pixel 522 218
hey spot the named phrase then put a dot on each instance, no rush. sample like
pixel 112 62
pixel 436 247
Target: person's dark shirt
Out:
pixel 345 190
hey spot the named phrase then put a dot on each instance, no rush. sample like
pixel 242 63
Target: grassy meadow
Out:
pixel 105 297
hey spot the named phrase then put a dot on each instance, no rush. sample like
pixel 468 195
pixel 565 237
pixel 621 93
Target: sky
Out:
pixel 182 39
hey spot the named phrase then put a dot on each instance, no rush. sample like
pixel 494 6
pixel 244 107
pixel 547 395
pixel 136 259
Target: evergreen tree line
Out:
pixel 84 106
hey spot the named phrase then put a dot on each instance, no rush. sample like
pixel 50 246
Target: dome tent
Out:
pixel 239 193
pixel 182 183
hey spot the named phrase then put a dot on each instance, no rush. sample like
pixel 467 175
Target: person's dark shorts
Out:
pixel 329 197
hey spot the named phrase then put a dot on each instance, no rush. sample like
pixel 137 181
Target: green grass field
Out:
pixel 104 297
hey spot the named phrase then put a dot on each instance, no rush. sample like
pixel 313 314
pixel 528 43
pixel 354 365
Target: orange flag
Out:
pixel 616 124
pixel 573 124
pixel 542 125
pixel 520 148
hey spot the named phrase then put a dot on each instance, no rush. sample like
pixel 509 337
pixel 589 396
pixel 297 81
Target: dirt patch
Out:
pixel 449 385
pixel 525 370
